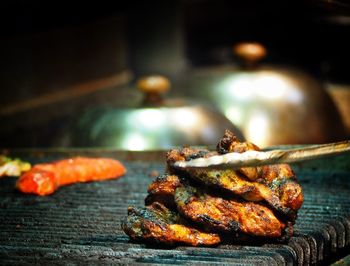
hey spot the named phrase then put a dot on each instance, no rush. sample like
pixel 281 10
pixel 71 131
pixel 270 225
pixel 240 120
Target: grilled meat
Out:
pixel 275 184
pixel 247 204
pixel 218 214
pixel 230 143
pixel 276 195
pixel 212 212
pixel 162 190
pixel 277 177
pixel 43 179
pixel 186 154
pixel 157 224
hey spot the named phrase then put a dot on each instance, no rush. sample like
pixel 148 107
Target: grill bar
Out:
pixel 81 224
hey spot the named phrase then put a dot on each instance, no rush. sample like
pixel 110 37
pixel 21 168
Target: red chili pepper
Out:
pixel 44 179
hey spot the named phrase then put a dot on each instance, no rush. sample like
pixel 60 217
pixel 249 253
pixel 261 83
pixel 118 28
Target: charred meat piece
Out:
pixel 283 195
pixel 186 154
pixel 230 143
pixel 212 212
pixel 162 190
pixel 222 215
pixel 157 224
pixel 275 184
pixel 43 179
pixel 279 176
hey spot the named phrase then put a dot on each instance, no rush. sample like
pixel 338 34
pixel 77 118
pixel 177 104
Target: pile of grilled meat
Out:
pixel 204 206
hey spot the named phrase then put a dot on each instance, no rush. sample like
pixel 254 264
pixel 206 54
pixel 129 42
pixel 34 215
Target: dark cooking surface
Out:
pixel 80 223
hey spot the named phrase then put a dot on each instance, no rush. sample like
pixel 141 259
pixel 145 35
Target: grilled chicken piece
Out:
pixel 279 176
pixel 230 143
pixel 157 224
pixel 221 215
pixel 275 184
pixel 186 154
pixel 214 213
pixel 162 190
pixel 283 195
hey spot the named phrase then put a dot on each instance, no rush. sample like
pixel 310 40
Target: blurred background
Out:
pixel 69 72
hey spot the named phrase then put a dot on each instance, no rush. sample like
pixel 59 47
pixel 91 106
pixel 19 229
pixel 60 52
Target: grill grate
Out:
pixel 81 224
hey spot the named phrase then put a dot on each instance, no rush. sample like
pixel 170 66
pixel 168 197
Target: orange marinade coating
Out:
pixel 44 179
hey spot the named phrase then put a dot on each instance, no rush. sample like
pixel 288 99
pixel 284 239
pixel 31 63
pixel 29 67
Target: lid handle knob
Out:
pixel 153 87
pixel 250 52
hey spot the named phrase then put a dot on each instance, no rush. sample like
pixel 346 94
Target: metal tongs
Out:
pixel 236 160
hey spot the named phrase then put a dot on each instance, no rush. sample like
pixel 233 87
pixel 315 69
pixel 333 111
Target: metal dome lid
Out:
pixel 156 123
pixel 271 105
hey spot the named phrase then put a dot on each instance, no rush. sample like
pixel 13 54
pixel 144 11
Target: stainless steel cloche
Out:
pixel 154 123
pixel 272 105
